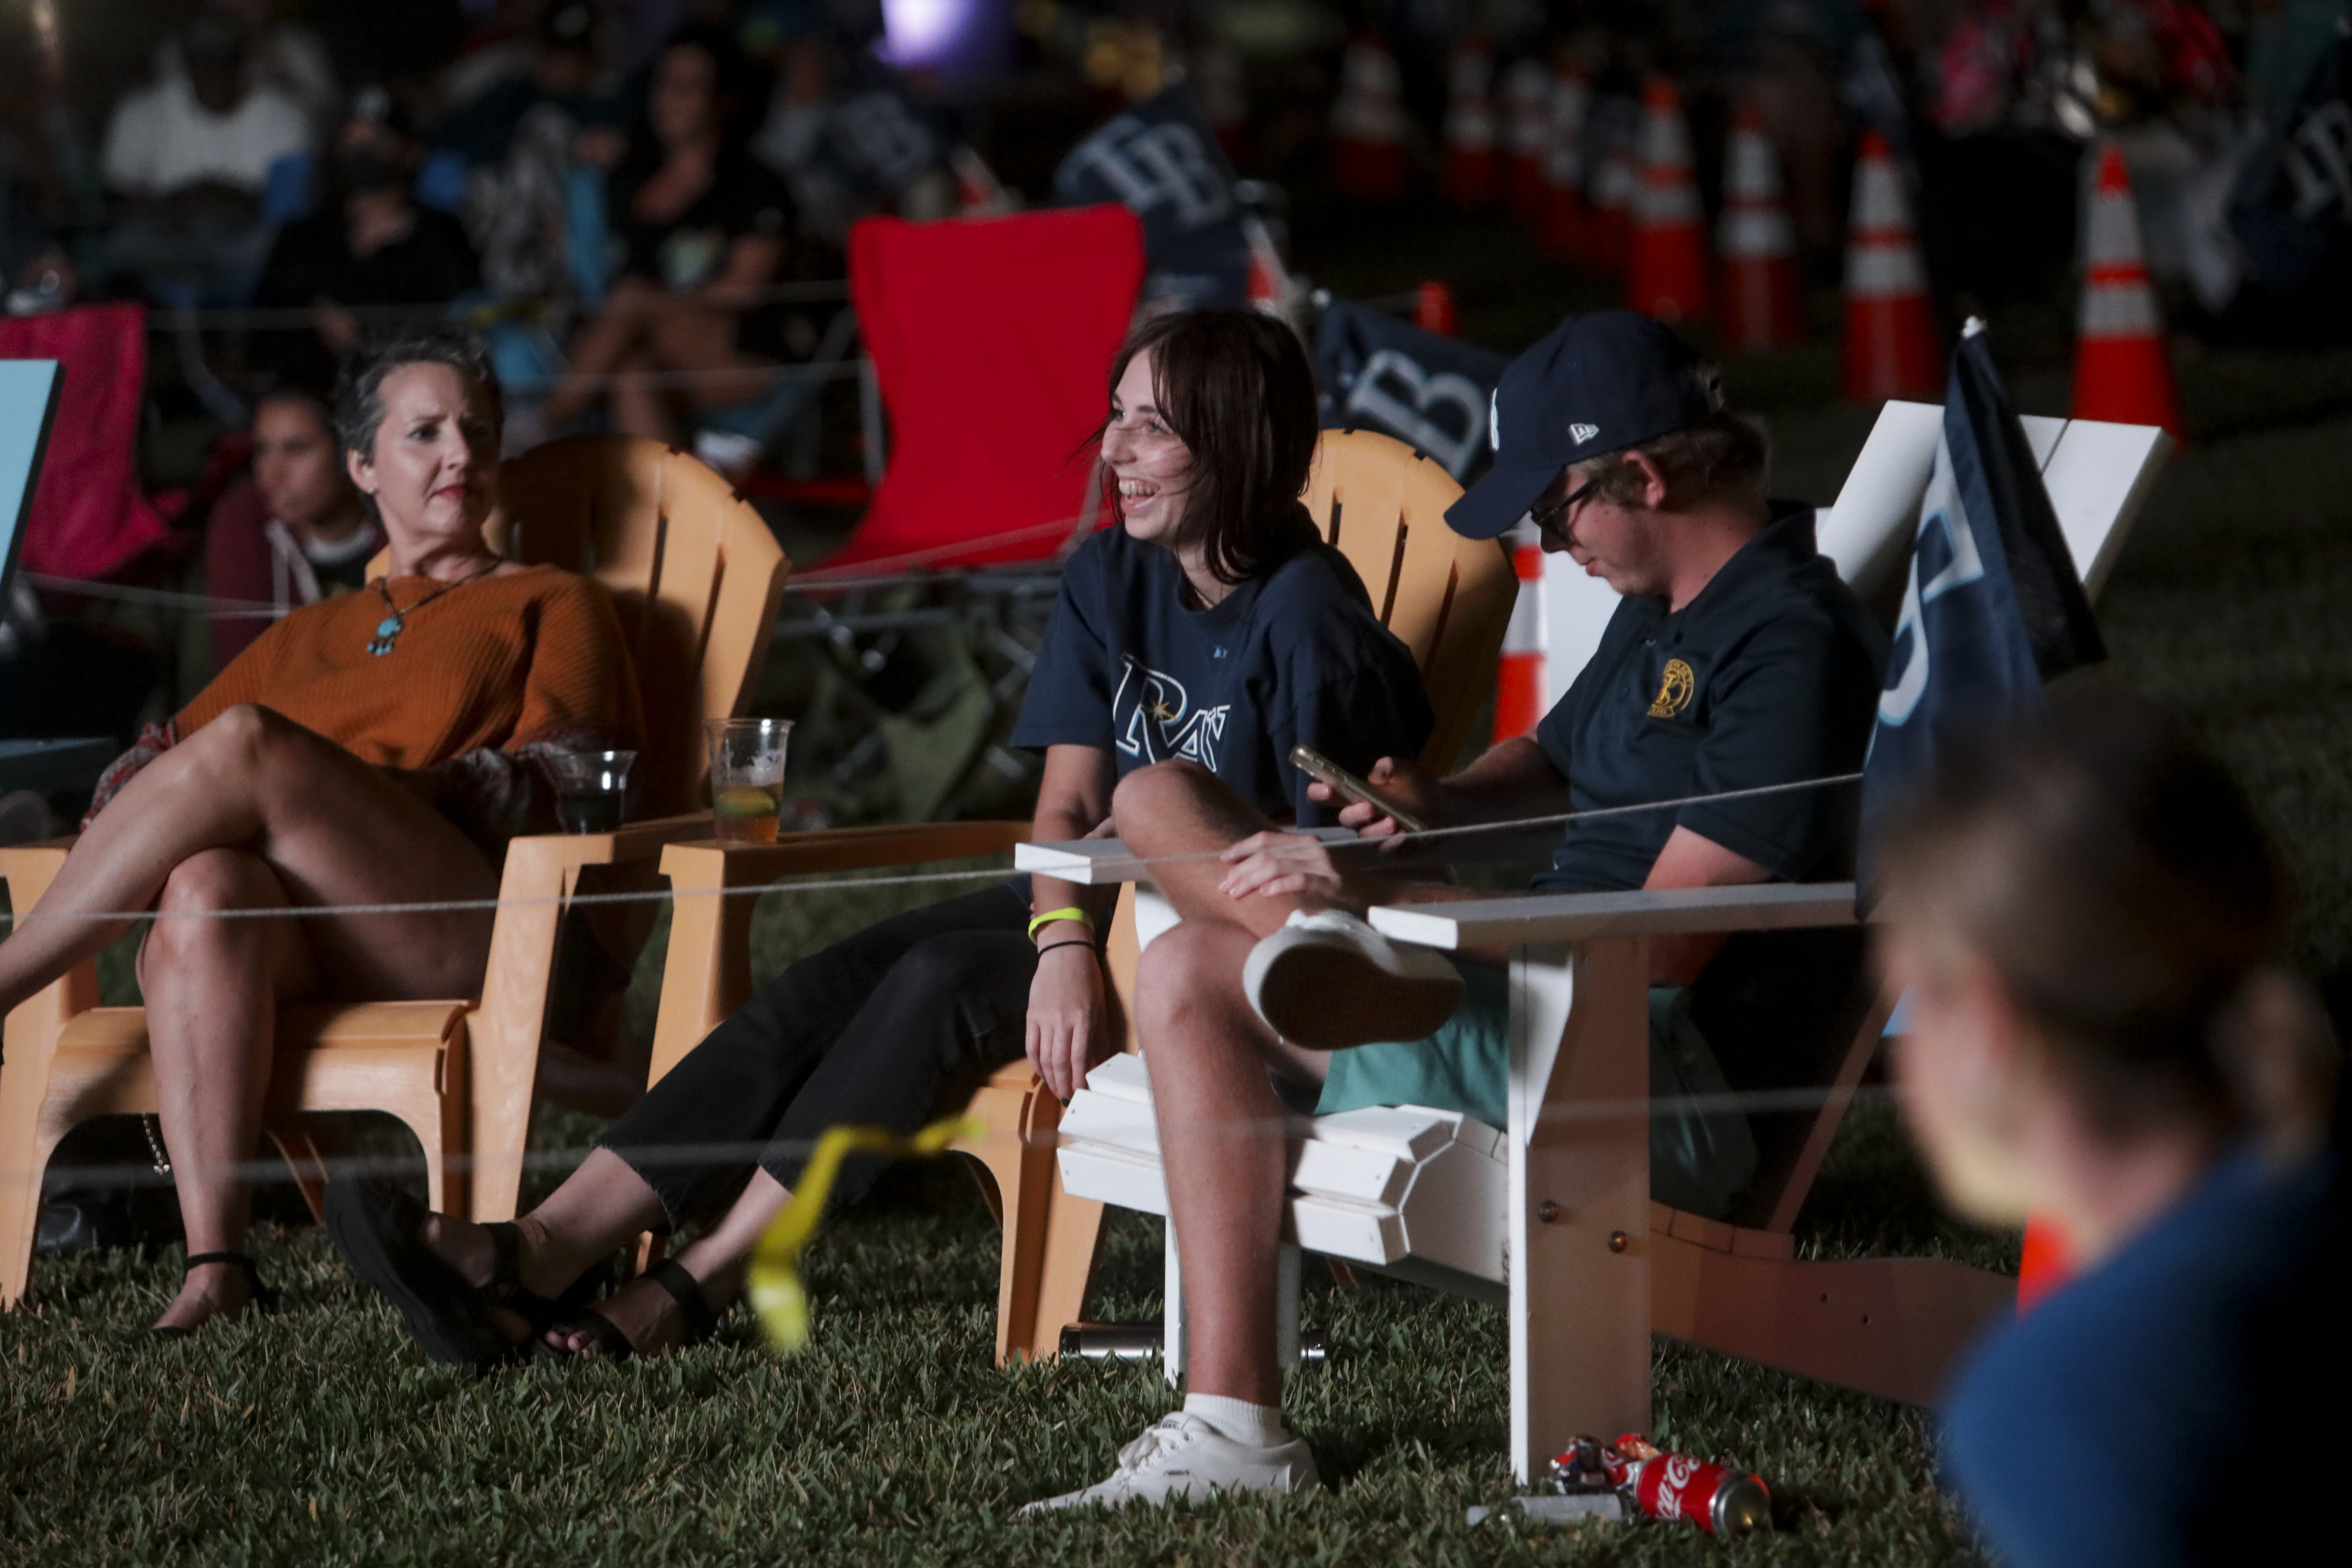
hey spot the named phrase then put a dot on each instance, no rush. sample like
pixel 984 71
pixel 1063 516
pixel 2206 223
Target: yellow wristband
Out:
pixel 1050 916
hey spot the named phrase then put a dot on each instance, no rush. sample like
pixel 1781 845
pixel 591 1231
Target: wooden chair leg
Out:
pixel 1066 1269
pixel 298 1144
pixel 20 1218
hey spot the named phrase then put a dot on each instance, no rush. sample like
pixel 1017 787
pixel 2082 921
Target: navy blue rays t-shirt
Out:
pixel 1292 657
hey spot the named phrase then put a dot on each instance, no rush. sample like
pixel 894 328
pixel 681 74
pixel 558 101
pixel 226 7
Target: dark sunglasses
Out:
pixel 1551 516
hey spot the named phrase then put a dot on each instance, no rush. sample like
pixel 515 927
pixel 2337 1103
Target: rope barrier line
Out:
pixel 458 906
pixel 143 1175
pixel 874 573
pixel 268 318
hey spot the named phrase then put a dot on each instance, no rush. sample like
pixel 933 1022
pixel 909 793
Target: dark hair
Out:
pixel 318 401
pixel 1722 452
pixel 359 386
pixel 1235 387
pixel 2113 875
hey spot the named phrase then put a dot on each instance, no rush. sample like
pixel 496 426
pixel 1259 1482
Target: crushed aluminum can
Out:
pixel 1718 1499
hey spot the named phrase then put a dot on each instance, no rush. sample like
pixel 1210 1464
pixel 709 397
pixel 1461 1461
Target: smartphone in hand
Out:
pixel 1347 786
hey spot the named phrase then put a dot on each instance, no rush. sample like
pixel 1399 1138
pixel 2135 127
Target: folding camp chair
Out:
pixel 89 519
pixel 695 575
pixel 1447 598
pixel 988 341
pixel 1551 1215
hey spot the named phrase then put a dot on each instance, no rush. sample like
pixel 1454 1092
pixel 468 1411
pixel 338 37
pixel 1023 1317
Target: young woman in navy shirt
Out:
pixel 1211 624
pixel 2087 923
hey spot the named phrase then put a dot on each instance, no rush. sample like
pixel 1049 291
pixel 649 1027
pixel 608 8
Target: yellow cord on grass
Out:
pixel 776 1291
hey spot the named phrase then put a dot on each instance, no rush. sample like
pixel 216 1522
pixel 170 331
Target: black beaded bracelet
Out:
pixel 1051 945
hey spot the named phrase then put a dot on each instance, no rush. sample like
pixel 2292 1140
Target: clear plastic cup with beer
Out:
pixel 746 777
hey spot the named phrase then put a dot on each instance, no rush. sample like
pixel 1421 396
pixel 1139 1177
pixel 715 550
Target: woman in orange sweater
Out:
pixel 375 748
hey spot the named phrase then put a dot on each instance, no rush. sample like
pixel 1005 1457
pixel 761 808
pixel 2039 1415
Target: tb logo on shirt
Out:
pixel 1152 716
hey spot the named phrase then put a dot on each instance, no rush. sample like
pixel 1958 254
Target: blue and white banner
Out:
pixel 1376 372
pixel 1993 607
pixel 1161 160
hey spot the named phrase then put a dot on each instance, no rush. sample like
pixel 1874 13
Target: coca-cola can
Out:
pixel 1718 1499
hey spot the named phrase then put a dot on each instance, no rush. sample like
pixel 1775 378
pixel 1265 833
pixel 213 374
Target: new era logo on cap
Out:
pixel 1613 371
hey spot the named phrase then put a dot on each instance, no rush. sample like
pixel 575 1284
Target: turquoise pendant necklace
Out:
pixel 387 631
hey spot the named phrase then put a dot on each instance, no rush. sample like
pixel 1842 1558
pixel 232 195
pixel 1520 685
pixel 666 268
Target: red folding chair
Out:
pixel 991 339
pixel 89 519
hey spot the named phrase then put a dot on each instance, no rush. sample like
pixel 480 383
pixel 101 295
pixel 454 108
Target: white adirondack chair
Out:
pixel 1552 1215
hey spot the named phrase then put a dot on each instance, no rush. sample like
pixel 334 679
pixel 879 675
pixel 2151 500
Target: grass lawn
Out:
pixel 320 1435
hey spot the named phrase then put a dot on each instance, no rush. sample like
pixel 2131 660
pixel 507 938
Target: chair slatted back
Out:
pixel 1446 597
pixel 694 572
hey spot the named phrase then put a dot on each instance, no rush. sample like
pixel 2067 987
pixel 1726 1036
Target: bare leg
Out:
pixel 212 988
pixel 253 811
pixel 649 1316
pixel 1183 809
pixel 1221 1139
pixel 613 333
pixel 333 829
pixel 639 406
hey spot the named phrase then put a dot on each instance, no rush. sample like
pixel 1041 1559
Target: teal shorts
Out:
pixel 1701 1151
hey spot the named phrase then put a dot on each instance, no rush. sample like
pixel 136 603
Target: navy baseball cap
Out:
pixel 1597 384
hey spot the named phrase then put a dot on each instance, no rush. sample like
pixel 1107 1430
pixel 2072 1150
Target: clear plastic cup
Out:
pixel 592 789
pixel 746 777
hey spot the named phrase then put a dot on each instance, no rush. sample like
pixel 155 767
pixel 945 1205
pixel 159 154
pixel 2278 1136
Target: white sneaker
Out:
pixel 1328 981
pixel 1184 1457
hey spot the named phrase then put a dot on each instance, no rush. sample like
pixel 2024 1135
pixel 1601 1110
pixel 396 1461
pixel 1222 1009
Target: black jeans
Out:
pixel 874 1031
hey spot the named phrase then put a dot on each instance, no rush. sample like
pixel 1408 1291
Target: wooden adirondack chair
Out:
pixel 1552 1215
pixel 695 576
pixel 1448 598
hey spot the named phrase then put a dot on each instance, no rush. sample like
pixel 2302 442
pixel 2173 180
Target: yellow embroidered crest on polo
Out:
pixel 1674 691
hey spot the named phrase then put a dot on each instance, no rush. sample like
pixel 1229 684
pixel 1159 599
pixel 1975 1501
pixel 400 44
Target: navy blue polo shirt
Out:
pixel 1294 656
pixel 2097 1431
pixel 1769 675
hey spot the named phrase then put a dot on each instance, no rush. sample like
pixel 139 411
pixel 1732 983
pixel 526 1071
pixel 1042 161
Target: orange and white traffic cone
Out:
pixel 1432 310
pixel 1615 185
pixel 978 191
pixel 2048 1262
pixel 1271 288
pixel 1368 122
pixel 1526 135
pixel 1519 679
pixel 1560 232
pixel 1470 128
pixel 1667 272
pixel 2122 372
pixel 1890 348
pixel 1761 307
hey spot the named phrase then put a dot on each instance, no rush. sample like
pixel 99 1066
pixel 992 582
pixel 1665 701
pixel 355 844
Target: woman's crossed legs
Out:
pixel 253 813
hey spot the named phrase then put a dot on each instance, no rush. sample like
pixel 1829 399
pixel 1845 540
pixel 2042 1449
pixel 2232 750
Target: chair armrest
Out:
pixel 837 849
pixel 632 841
pixel 1101 862
pixel 1583 917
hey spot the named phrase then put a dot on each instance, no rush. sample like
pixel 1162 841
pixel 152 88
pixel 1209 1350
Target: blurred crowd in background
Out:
pixel 645 204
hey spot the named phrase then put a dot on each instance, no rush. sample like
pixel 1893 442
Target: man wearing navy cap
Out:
pixel 1735 658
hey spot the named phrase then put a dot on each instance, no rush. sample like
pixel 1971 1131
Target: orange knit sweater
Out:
pixel 499 663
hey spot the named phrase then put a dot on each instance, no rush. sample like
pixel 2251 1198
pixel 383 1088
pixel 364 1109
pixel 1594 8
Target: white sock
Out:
pixel 1258 1426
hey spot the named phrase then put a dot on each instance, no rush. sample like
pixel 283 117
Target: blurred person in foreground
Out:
pixel 686 337
pixel 369 244
pixel 188 160
pixel 293 531
pixel 375 748
pixel 2088 924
